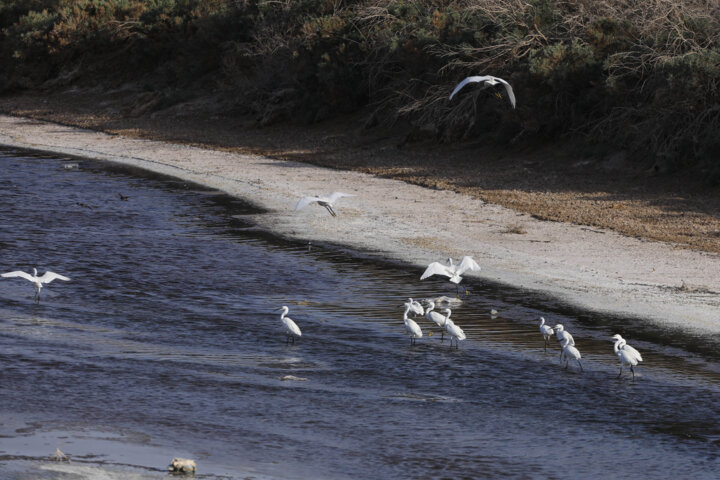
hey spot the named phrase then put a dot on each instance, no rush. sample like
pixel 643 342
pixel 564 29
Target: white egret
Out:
pixel 36 281
pixel 626 354
pixel 412 328
pixel 415 307
pixel 325 201
pixel 569 351
pixel 291 328
pixel 487 80
pixel 562 335
pixel 437 318
pixel 546 331
pixel 453 330
pixel 451 270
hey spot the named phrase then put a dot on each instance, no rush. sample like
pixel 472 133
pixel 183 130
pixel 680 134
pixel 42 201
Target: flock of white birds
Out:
pixel 626 354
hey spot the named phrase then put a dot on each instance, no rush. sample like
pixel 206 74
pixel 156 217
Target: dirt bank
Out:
pixel 579 259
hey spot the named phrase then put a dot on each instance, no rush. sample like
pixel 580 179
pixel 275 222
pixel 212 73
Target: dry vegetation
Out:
pixel 634 84
pixel 641 75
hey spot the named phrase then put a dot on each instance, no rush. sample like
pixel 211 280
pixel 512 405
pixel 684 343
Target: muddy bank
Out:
pixel 588 267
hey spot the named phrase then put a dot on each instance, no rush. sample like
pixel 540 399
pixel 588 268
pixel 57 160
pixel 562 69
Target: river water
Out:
pixel 165 343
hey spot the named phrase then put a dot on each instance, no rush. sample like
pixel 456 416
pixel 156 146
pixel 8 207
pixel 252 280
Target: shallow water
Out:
pixel 165 343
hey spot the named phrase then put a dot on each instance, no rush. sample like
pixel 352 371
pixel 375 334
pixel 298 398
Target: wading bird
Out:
pixel 562 335
pixel 291 329
pixel 546 331
pixel 626 354
pixel 437 318
pixel 415 307
pixel 569 351
pixel 413 329
pixel 487 80
pixel 451 270
pixel 37 281
pixel 453 330
pixel 324 201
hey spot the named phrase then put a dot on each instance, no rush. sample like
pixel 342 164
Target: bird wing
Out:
pixel 435 268
pixel 466 264
pixel 18 273
pixel 304 202
pixel 633 352
pixel 50 276
pixel 508 89
pixel 291 326
pixel 466 81
pixel 335 195
pixel 413 328
pixel 437 318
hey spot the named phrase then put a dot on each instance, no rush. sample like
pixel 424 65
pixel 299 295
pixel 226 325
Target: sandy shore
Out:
pixel 587 267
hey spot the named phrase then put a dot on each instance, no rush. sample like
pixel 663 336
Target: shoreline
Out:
pixel 587 267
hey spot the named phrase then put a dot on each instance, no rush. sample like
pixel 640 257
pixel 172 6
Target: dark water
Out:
pixel 165 344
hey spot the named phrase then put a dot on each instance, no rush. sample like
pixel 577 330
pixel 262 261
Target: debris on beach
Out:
pixel 71 166
pixel 182 465
pixel 59 456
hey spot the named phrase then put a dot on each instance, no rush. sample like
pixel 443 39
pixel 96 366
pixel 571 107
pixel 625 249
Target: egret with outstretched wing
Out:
pixel 453 271
pixel 488 80
pixel 36 281
pixel 325 201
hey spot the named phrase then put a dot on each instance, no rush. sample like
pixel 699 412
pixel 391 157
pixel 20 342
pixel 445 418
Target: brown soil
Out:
pixel 613 191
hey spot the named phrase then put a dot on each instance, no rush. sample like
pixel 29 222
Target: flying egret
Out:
pixel 569 351
pixel 412 328
pixel 415 307
pixel 37 281
pixel 291 328
pixel 324 201
pixel 626 354
pixel 437 318
pixel 487 80
pixel 453 330
pixel 546 331
pixel 451 270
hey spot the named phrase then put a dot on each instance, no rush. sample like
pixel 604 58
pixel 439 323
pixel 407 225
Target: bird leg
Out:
pixel 581 369
pixel 620 371
pixel 330 209
pixel 633 371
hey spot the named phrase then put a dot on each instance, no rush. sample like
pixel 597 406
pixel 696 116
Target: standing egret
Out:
pixel 626 354
pixel 546 331
pixel 568 351
pixel 437 318
pixel 412 328
pixel 451 270
pixel 562 335
pixel 326 201
pixel 415 307
pixel 291 328
pixel 37 281
pixel 453 330
pixel 487 80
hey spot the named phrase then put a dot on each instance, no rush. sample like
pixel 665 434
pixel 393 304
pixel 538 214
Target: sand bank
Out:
pixel 586 267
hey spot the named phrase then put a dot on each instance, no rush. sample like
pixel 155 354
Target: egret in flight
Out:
pixel 453 330
pixel 487 80
pixel 324 201
pixel 291 328
pixel 626 354
pixel 415 307
pixel 451 270
pixel 36 281
pixel 413 329
pixel 546 331
pixel 569 351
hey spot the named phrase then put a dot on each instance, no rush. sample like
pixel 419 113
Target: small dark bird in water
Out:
pixel 124 198
pixel 84 205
